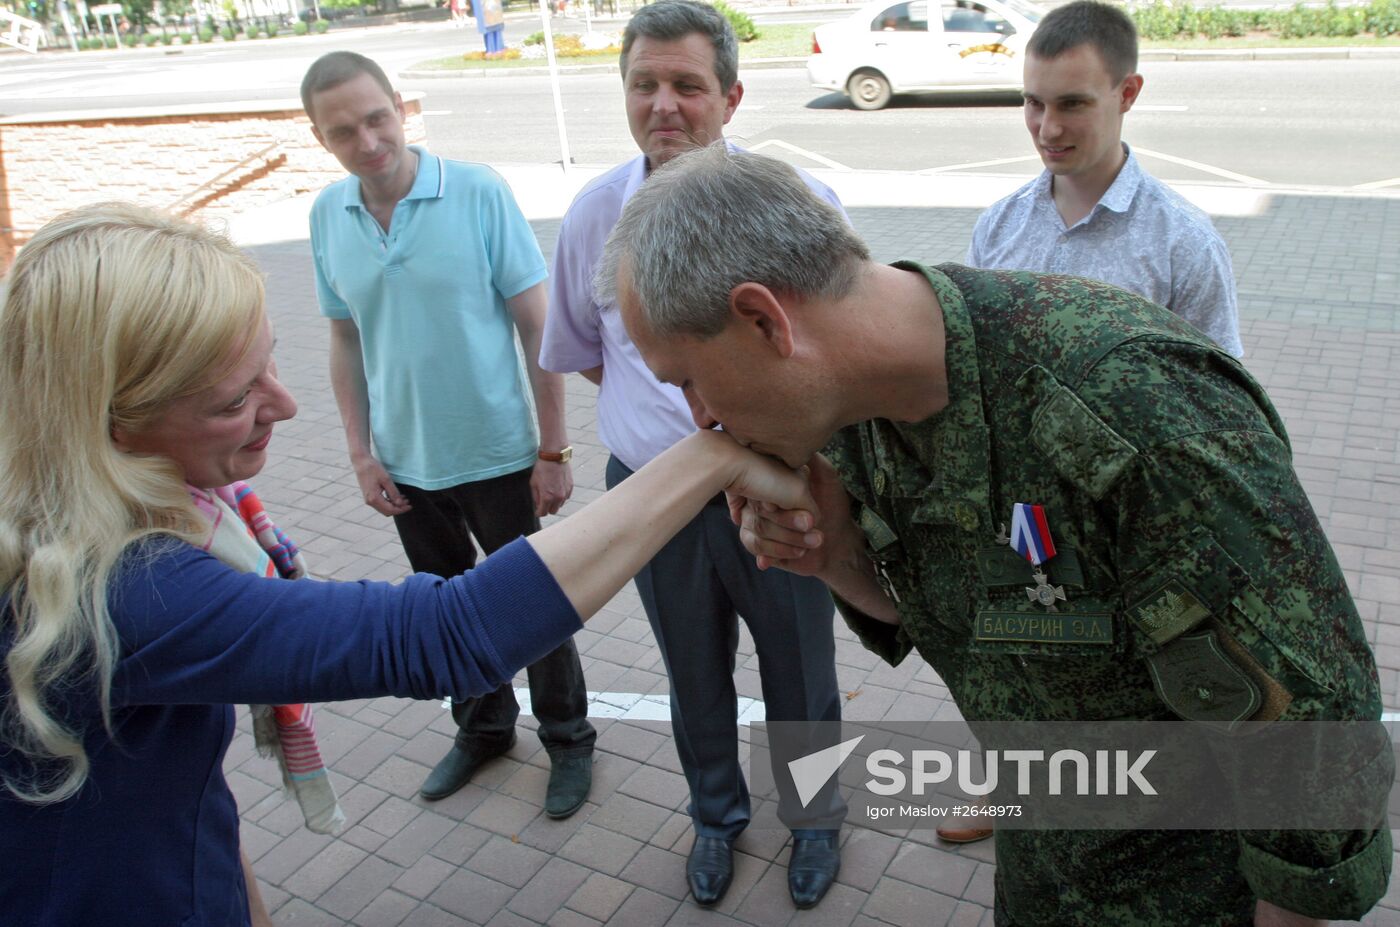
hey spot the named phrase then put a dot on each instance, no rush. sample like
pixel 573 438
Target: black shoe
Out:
pixel 813 867
pixel 710 869
pixel 453 770
pixel 570 777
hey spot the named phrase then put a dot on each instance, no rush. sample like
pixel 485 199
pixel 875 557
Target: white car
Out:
pixel 886 48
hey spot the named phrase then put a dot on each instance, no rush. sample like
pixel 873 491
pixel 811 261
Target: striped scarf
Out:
pixel 244 537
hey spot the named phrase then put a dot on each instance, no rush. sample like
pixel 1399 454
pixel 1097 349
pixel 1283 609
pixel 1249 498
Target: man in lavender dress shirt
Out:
pixel 1094 212
pixel 680 75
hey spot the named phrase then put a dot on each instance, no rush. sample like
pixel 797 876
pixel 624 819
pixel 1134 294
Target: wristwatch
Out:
pixel 558 456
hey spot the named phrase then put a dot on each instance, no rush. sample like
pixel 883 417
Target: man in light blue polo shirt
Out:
pixel 426 269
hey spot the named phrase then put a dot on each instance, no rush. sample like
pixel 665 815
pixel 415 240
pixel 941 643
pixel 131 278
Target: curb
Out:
pixel 1316 53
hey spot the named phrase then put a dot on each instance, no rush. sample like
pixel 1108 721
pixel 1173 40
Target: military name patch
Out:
pixel 1173 611
pixel 1058 628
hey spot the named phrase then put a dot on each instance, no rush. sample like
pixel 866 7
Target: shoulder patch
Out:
pixel 1080 445
pixel 1200 683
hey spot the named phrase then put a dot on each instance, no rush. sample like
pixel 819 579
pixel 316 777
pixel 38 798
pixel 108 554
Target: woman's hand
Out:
pixel 756 477
pixel 801 541
pixel 824 541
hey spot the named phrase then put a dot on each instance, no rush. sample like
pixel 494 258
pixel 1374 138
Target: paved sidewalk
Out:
pixel 1320 312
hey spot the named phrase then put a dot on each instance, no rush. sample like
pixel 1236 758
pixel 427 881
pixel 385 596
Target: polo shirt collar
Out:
pixel 428 183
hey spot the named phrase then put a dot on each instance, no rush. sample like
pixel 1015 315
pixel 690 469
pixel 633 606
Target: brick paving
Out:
pixel 1320 318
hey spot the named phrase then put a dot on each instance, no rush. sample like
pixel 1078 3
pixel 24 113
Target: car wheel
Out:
pixel 868 90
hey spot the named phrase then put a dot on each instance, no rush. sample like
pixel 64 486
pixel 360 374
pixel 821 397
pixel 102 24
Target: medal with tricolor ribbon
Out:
pixel 1030 537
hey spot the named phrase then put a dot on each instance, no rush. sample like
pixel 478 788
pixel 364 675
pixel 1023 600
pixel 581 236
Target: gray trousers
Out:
pixel 693 591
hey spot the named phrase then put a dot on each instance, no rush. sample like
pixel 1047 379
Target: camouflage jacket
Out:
pixel 1186 551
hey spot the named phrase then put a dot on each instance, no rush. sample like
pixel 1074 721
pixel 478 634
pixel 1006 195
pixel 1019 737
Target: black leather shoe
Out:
pixel 710 869
pixel 813 867
pixel 570 778
pixel 453 770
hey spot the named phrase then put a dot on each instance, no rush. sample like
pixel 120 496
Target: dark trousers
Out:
pixel 693 591
pixel 437 536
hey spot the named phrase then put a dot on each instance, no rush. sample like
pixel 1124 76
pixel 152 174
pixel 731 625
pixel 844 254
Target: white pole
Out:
pixel 68 24
pixel 554 85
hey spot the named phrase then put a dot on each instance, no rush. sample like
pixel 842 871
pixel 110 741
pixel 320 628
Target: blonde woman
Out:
pixel 135 363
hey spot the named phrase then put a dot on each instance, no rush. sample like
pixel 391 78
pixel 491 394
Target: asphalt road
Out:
pixel 1282 123
pixel 1325 123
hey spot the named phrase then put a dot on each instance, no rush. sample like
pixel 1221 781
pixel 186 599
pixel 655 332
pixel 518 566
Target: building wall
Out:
pixel 204 164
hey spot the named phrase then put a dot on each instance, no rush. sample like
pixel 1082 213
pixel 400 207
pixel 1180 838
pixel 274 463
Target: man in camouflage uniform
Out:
pixel 1187 551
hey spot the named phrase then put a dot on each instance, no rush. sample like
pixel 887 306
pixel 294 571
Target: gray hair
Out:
pixel 671 20
pixel 712 219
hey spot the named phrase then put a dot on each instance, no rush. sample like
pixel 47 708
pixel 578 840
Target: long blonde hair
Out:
pixel 109 313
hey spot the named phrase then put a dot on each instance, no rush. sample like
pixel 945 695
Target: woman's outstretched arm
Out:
pixel 597 550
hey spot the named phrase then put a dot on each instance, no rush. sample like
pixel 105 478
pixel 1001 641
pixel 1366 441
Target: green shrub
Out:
pixel 149 39
pixel 534 38
pixel 1241 22
pixel 1383 17
pixel 206 36
pixel 272 30
pixel 109 41
pixel 1159 20
pixel 300 28
pixel 228 34
pixel 130 40
pixel 167 38
pixel 322 26
pixel 744 28
pixel 1345 21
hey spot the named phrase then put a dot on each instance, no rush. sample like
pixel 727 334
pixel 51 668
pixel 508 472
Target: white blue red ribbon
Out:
pixel 1030 533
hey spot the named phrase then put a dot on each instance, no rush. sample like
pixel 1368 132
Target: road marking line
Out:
pixel 1377 184
pixel 634 706
pixel 1159 108
pixel 436 112
pixel 834 165
pixel 963 167
pixel 1217 171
